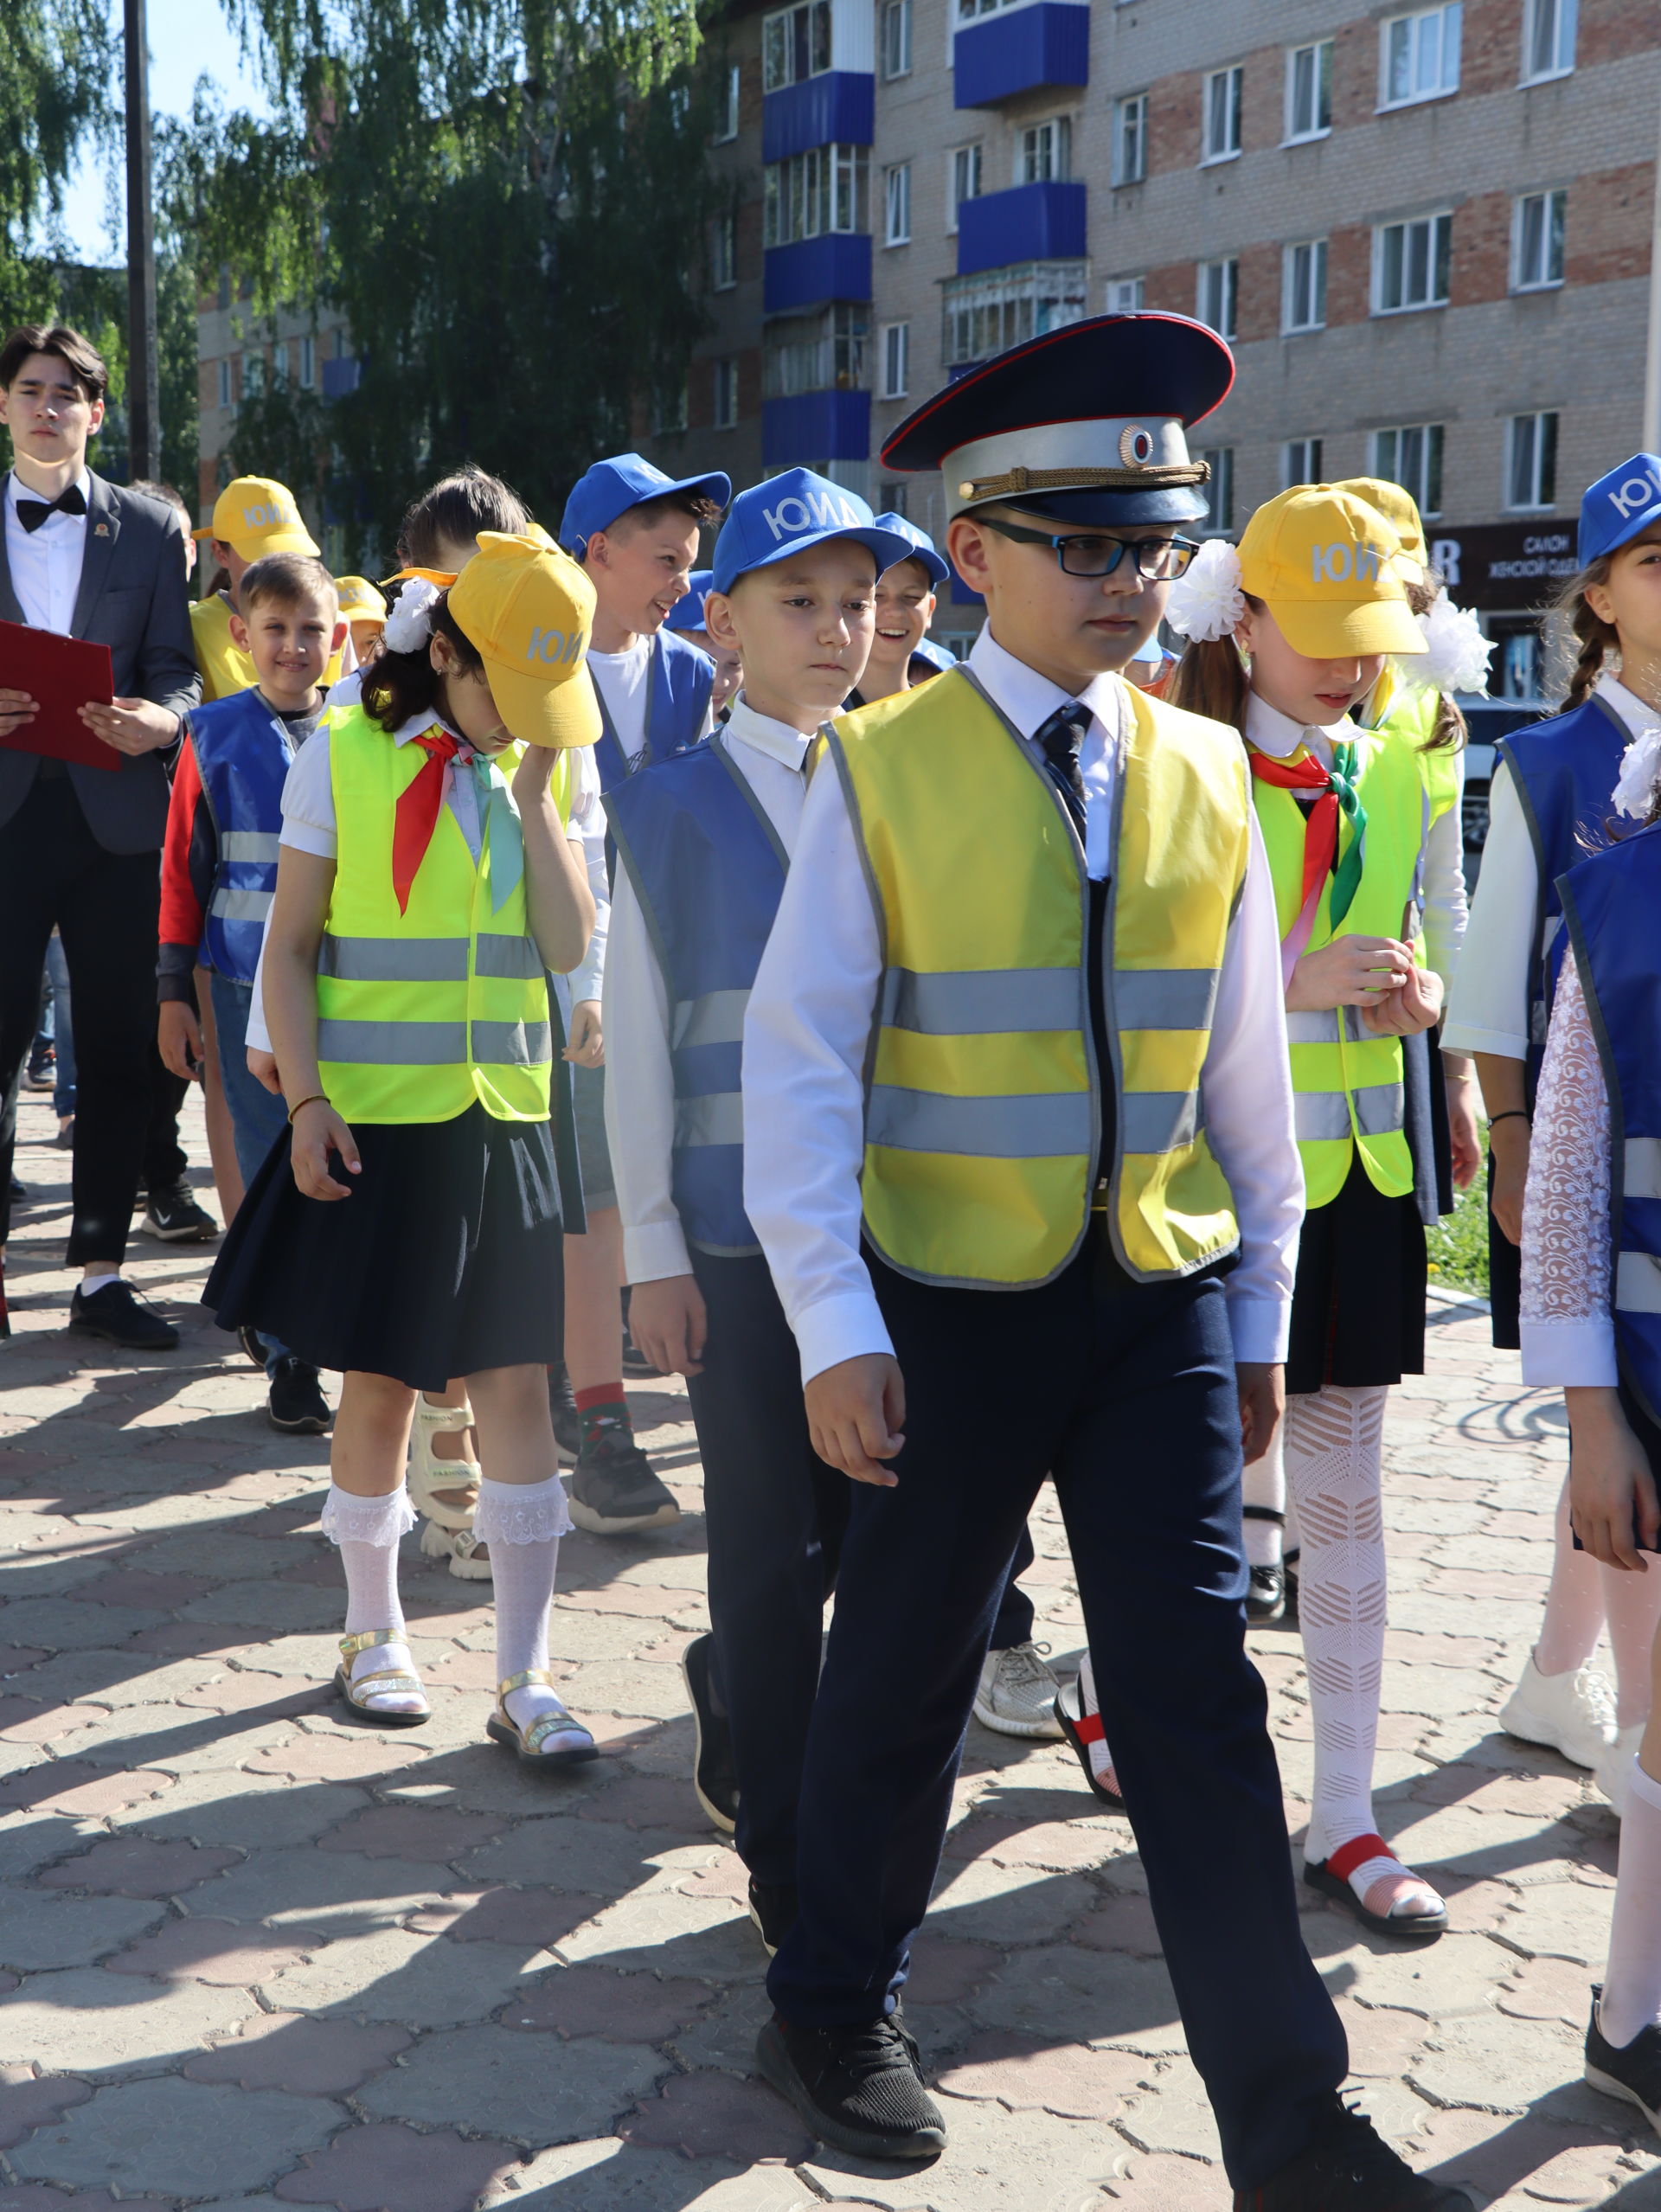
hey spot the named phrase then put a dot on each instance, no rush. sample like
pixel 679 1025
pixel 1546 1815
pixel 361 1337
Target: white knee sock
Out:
pixel 1632 1605
pixel 1263 1482
pixel 366 1530
pixel 1631 1982
pixel 523 1523
pixel 1572 1619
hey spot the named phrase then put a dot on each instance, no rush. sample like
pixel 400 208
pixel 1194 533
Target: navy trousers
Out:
pixel 1138 1424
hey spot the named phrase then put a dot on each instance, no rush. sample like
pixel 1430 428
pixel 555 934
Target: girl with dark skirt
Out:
pixel 408 1230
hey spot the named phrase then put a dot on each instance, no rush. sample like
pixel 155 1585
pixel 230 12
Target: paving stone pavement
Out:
pixel 254 1956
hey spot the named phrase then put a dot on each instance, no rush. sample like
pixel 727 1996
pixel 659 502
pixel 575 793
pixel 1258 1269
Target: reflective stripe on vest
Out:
pixel 243 752
pixel 716 1018
pixel 983 1113
pixel 249 844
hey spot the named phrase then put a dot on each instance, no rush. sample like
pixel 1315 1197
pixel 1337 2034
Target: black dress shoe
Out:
pixel 562 1404
pixel 296 1405
pixel 859 2089
pixel 1630 2071
pixel 1348 2168
pixel 772 1907
pixel 118 1314
pixel 713 1777
pixel 1265 1598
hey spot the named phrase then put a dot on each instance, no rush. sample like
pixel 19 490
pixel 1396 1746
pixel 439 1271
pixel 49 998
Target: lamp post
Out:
pixel 143 395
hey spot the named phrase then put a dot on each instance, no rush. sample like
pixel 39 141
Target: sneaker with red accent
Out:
pixel 1080 1720
pixel 1332 1877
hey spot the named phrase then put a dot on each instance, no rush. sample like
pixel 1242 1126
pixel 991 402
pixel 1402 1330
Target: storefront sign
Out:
pixel 1497 566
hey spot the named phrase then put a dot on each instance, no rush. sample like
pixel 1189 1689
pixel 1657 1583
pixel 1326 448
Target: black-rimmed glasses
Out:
pixel 1158 560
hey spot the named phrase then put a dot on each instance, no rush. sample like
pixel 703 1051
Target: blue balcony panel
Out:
pixel 814 269
pixel 1029 223
pixel 816 426
pixel 836 108
pixel 340 377
pixel 1048 43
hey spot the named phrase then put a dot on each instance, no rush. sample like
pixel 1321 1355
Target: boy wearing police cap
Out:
pixel 974 1062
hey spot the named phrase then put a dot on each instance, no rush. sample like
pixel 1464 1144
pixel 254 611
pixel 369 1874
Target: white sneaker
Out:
pixel 1017 1693
pixel 1613 1771
pixel 1571 1712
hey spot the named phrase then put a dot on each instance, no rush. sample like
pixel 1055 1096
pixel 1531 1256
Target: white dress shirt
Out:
pixel 45 564
pixel 809 1023
pixel 640 1131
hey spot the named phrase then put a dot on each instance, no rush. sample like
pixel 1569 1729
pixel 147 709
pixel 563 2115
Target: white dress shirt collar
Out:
pixel 16 490
pixel 1636 713
pixel 776 739
pixel 418 725
pixel 1279 736
pixel 1028 699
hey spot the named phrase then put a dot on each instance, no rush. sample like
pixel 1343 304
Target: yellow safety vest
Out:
pixel 982 1115
pixel 421 1013
pixel 1411 717
pixel 226 669
pixel 1348 1082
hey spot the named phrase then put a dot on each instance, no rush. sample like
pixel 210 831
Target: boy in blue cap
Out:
pixel 635 530
pixel 905 607
pixel 703 841
pixel 686 620
pixel 1012 1243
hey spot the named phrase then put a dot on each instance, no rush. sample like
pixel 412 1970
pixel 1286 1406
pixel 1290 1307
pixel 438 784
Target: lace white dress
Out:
pixel 1568 1335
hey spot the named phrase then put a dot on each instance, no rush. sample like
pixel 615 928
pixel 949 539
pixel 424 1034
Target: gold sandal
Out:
pixel 527 1743
pixel 388 1683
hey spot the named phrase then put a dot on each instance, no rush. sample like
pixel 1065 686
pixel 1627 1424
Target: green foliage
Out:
pixel 1458 1245
pixel 56 71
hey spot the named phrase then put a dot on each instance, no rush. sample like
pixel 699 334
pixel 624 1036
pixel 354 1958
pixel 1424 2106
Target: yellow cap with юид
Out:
pixel 359 599
pixel 527 612
pixel 254 515
pixel 1401 511
pixel 1324 563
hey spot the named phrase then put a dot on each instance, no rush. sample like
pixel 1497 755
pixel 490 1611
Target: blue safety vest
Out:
pixel 709 871
pixel 679 679
pixel 1609 902
pixel 1564 769
pixel 243 754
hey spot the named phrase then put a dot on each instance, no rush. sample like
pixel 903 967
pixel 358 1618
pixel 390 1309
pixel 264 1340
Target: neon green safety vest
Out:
pixel 420 1013
pixel 983 1112
pixel 1348 1082
pixel 1411 717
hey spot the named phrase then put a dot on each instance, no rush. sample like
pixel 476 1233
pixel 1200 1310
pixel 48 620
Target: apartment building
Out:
pixel 1426 230
pixel 238 355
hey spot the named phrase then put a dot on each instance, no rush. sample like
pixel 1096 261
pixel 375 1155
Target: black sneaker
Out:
pixel 174 1216
pixel 1630 2071
pixel 1348 2168
pixel 41 1072
pixel 562 1404
pixel 614 1491
pixel 1289 1568
pixel 118 1314
pixel 296 1405
pixel 859 2089
pixel 1265 1598
pixel 772 1907
pixel 713 1774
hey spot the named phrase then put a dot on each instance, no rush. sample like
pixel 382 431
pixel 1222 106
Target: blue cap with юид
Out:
pixel 611 487
pixel 788 514
pixel 1620 506
pixel 922 547
pixel 688 613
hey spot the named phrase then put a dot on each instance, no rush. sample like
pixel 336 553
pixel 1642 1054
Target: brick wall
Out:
pixel 1609 232
pixel 1482 249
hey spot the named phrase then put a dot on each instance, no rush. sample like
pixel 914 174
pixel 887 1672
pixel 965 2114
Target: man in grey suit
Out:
pixel 80 847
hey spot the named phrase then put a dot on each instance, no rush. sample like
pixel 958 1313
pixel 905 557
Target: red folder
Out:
pixel 60 674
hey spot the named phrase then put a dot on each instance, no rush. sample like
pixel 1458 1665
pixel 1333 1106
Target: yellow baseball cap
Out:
pixel 1401 511
pixel 528 611
pixel 539 536
pixel 254 515
pixel 1325 562
pixel 359 601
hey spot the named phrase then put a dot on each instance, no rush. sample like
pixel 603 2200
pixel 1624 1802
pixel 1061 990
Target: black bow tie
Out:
pixel 31 513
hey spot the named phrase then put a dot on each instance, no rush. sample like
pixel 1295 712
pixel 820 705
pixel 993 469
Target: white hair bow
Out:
pixel 1207 602
pixel 409 624
pixel 1456 654
pixel 1635 788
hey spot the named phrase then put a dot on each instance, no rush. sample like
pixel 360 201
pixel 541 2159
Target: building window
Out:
pixel 727 119
pixel 724 253
pixel 896 39
pixel 823 189
pixel 896 205
pixel 1411 264
pixel 965 183
pixel 1549 39
pixel 795 44
pixel 1125 295
pixel 1043 153
pixel 1537 244
pixel 308 364
pixel 1531 461
pixel 1130 138
pixel 1412 456
pixel 1216 294
pixel 253 375
pixel 1219 488
pixel 1300 462
pixel 1304 287
pixel 723 388
pixel 225 383
pixel 1419 55
pixel 896 360
pixel 968 9
pixel 818 353
pixel 1308 91
pixel 1219 139
pixel 670 411
pixel 984 314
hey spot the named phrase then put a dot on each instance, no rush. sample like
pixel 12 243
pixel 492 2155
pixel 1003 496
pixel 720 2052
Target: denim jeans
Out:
pixel 63 1029
pixel 258 1116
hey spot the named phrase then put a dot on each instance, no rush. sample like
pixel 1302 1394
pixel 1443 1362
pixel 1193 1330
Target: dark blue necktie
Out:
pixel 1059 740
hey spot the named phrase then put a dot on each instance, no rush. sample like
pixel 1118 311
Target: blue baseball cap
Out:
pixel 1620 506
pixel 688 613
pixel 610 488
pixel 938 657
pixel 790 512
pixel 922 546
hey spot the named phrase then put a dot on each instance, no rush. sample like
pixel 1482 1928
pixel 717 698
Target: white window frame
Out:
pixel 670 412
pixel 724 253
pixel 894 360
pixel 1413 25
pixel 1553 225
pixel 723 394
pixel 1125 295
pixel 779 49
pixel 896 204
pixel 1219 489
pixel 1043 151
pixel 963 162
pixel 1387 462
pixel 893 31
pixel 827 350
pixel 822 183
pixel 1531 443
pixel 1439 248
pixel 1560 21
pixel 1300 462
pixel 1131 137
pixel 225 381
pixel 1221 109
pixel 986 314
pixel 1321 91
pixel 1216 283
pixel 308 377
pixel 728 127
pixel 253 374
pixel 1303 286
